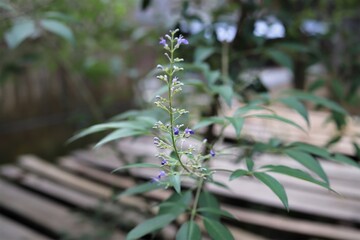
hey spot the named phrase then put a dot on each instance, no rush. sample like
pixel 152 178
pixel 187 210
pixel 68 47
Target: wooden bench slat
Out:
pixel 46 213
pixel 11 230
pixel 40 167
pixel 330 231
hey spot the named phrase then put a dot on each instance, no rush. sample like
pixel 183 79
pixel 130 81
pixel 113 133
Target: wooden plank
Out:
pixel 53 216
pixel 73 164
pixel 11 230
pixel 40 167
pixel 81 200
pixel 311 228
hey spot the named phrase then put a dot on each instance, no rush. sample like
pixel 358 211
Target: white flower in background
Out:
pixel 225 32
pixel 269 28
pixel 314 27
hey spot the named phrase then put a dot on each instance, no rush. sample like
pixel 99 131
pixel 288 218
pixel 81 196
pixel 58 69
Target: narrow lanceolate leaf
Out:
pixel 118 134
pixel 150 226
pixel 208 121
pixel 278 118
pixel 296 173
pixel 216 230
pixel 275 186
pixel 189 230
pixel 146 187
pixel 344 159
pixel 249 163
pixel 314 150
pixel 217 211
pixel 176 204
pixel 317 100
pixel 297 106
pixel 238 173
pixel 309 162
pixel 247 108
pixel 137 165
pixel 209 201
pixel 58 28
pixel 108 126
pixel 237 123
pixel 175 180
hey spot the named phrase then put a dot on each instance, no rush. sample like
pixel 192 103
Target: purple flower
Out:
pixel 182 40
pixel 161 174
pixel 162 41
pixel 189 131
pixel 176 131
pixel 212 153
pixel 163 162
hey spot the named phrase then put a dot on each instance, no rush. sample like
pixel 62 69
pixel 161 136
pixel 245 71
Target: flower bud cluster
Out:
pixel 177 157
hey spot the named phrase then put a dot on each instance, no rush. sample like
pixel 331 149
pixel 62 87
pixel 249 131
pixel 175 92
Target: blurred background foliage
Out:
pixel 68 64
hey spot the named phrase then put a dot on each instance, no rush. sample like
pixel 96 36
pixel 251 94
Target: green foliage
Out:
pixel 275 186
pixel 184 232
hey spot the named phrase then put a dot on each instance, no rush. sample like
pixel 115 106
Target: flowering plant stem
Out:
pixel 171 113
pixel 196 200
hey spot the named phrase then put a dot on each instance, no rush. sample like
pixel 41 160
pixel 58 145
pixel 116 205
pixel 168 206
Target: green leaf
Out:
pixel 344 159
pixel 22 29
pixel 176 204
pixel 297 106
pixel 247 108
pixel 225 91
pixel 212 76
pixel 321 152
pixel 118 134
pixel 185 233
pixel 175 181
pixel 237 123
pixel 216 211
pixel 317 100
pixel 201 53
pixel 296 173
pixel 208 121
pixel 216 230
pixel 249 163
pixel 58 28
pixel 106 126
pixel 208 200
pixel 142 188
pixel 137 165
pixel 278 118
pixel 281 58
pixel 238 173
pixel 149 226
pixel 308 161
pixel 275 186
pixel 316 85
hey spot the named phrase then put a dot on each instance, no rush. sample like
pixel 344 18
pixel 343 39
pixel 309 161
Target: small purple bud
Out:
pixel 162 41
pixel 176 131
pixel 163 162
pixel 212 153
pixel 175 79
pixel 161 174
pixel 189 131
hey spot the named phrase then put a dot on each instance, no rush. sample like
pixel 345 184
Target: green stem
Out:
pixel 194 208
pixel 225 61
pixel 170 105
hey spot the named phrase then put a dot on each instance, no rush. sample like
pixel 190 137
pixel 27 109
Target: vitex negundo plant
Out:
pixel 182 161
